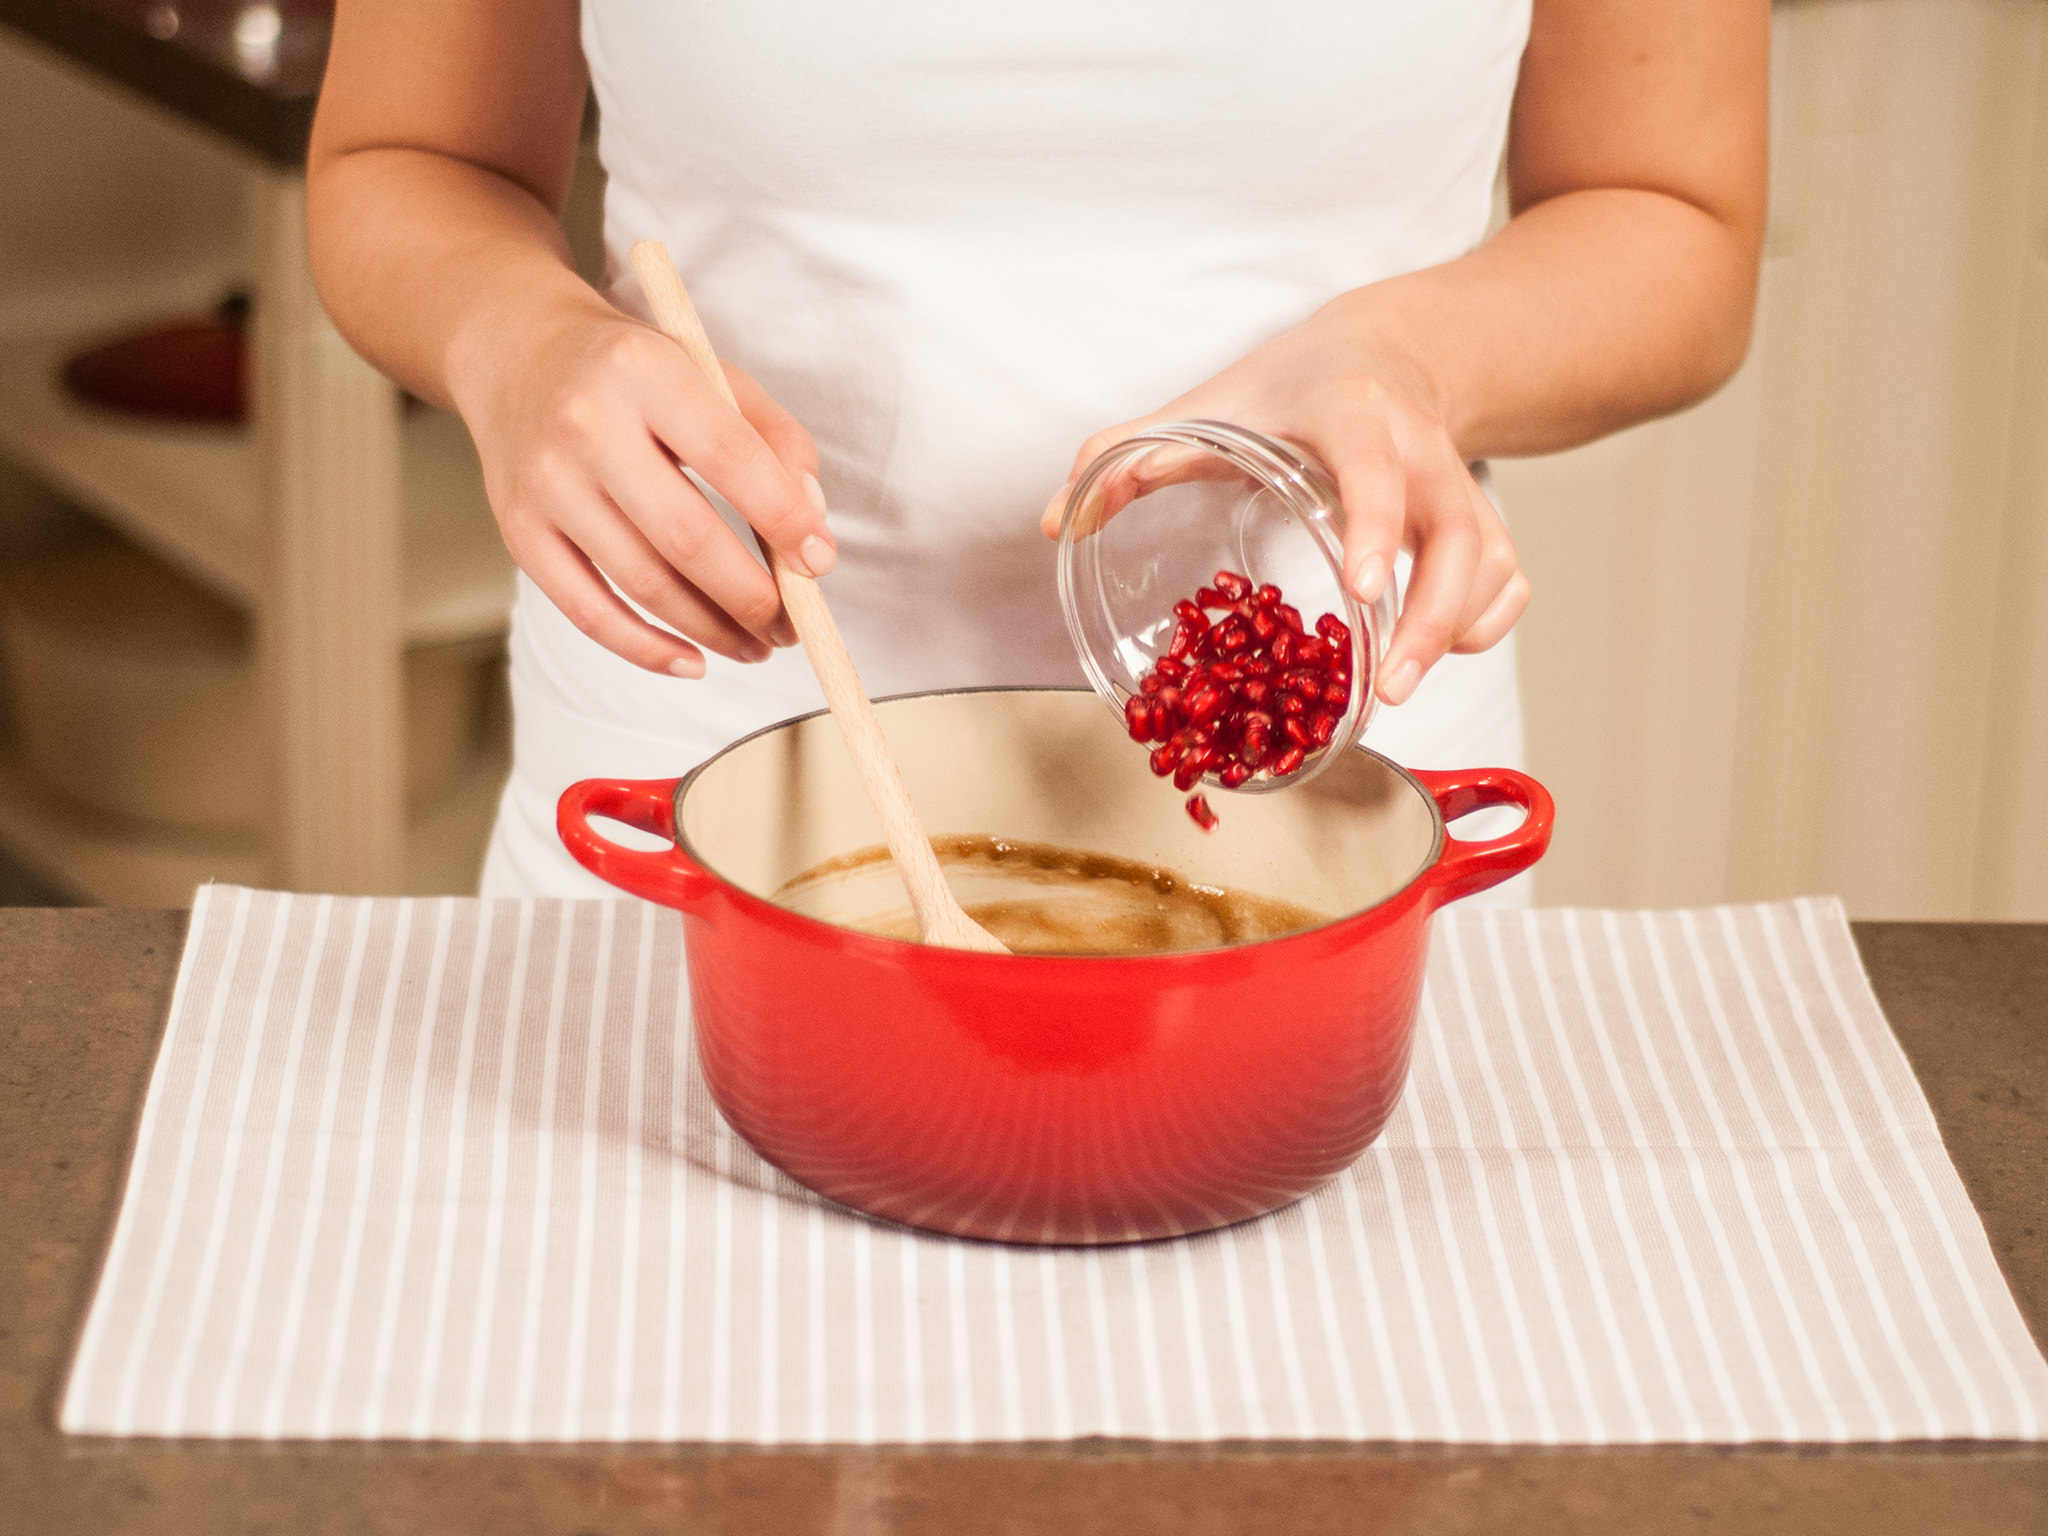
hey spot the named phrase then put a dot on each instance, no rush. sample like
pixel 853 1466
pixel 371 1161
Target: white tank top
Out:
pixel 956 240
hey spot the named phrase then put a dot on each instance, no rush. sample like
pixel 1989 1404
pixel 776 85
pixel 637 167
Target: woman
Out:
pixel 940 245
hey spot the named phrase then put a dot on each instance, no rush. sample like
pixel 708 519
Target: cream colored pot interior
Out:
pixel 1054 766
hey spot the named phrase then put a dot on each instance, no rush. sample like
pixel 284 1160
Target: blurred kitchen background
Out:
pixel 251 619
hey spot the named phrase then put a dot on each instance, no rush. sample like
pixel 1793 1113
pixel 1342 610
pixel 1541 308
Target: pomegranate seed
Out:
pixel 1199 808
pixel 1249 692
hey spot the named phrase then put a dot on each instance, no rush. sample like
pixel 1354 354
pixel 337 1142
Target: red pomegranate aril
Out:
pixel 1203 813
pixel 1243 689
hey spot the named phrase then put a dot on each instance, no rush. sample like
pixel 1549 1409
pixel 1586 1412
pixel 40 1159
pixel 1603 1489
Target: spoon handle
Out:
pixel 940 919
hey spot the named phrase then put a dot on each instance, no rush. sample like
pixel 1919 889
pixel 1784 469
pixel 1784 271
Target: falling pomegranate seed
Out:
pixel 1204 816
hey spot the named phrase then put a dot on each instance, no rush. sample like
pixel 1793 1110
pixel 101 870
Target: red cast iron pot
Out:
pixel 1054 1099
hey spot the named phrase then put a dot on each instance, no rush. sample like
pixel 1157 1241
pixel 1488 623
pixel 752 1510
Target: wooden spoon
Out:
pixel 940 919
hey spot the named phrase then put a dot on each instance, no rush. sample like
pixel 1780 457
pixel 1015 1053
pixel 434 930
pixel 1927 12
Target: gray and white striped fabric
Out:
pixel 442 1169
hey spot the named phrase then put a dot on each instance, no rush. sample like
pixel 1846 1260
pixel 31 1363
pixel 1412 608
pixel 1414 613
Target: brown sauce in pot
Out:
pixel 1042 899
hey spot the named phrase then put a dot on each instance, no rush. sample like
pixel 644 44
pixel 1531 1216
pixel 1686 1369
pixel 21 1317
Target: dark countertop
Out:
pixel 83 994
pixel 219 62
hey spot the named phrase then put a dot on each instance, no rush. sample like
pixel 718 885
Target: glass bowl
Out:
pixel 1156 517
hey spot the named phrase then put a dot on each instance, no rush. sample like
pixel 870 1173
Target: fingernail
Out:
pixel 1056 511
pixel 691 667
pixel 816 556
pixel 1370 579
pixel 816 492
pixel 1401 681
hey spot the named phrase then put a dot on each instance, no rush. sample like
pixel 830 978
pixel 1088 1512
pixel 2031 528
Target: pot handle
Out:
pixel 667 875
pixel 1466 866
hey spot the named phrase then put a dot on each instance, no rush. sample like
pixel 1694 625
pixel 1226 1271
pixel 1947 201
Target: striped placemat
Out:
pixel 442 1169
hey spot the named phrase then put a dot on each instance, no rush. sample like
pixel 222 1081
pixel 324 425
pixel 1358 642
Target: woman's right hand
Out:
pixel 584 419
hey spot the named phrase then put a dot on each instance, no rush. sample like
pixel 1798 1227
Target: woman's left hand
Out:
pixel 1369 414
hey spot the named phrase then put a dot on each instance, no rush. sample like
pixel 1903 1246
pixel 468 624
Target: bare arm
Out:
pixel 440 160
pixel 1622 288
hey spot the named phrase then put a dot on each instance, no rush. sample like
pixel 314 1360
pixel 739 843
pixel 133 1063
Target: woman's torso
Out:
pixel 957 240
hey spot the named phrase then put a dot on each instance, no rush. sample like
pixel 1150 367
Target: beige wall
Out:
pixel 1796 639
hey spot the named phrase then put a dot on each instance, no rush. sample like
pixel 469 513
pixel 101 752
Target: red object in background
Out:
pixel 1052 1099
pixel 185 370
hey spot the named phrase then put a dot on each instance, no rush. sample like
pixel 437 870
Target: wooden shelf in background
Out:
pixel 195 494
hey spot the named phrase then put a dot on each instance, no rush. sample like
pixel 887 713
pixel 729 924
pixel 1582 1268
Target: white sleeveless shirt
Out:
pixel 956 240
